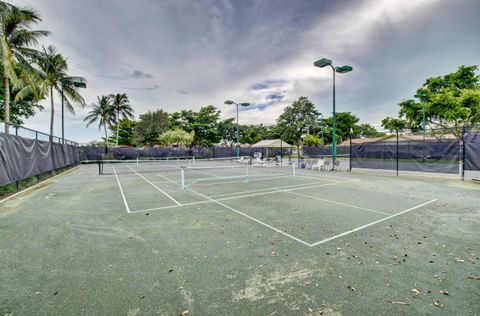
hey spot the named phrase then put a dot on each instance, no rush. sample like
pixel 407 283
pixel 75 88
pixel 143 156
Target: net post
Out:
pixel 293 169
pixel 183 177
pixel 193 159
pixel 100 171
pixel 137 161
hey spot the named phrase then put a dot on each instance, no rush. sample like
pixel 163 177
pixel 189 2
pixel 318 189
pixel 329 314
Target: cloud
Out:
pixel 267 84
pixel 137 74
pixel 275 97
pixel 260 52
pixel 147 88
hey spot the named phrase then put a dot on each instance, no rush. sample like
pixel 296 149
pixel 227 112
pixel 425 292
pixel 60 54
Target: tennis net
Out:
pixel 222 174
pixel 141 166
pixel 167 165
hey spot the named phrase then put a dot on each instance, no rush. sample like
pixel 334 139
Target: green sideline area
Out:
pixel 142 240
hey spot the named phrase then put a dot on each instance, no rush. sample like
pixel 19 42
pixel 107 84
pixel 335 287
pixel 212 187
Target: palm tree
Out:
pixel 53 67
pixel 16 39
pixel 103 113
pixel 121 106
pixel 24 96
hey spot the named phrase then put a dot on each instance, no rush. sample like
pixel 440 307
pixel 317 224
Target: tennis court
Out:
pixel 228 237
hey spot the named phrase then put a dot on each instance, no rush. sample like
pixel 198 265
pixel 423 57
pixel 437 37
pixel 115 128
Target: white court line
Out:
pixel 161 181
pixel 304 185
pixel 171 206
pixel 390 192
pixel 370 224
pixel 165 193
pixel 121 190
pixel 236 197
pixel 251 178
pixel 253 219
pixel 340 203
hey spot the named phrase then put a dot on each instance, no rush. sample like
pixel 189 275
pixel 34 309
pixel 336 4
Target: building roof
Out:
pixel 271 143
pixel 401 138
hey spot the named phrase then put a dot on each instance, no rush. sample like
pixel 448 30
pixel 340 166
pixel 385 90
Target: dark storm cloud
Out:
pixel 274 97
pixel 262 52
pixel 267 84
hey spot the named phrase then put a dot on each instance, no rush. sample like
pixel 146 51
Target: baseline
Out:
pixel 253 219
pixel 339 203
pixel 370 224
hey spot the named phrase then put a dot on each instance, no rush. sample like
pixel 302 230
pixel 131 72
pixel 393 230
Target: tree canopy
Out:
pixel 203 123
pixel 149 127
pixel 298 119
pixel 394 124
pixel 177 137
pixel 451 101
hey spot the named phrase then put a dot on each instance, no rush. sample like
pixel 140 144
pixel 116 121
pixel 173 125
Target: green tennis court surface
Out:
pixel 246 240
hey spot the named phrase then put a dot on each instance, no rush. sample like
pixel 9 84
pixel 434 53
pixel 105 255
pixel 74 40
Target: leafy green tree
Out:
pixel 204 123
pixel 103 113
pixel 149 126
pixel 251 134
pixel 451 101
pixel 394 124
pixel 298 119
pixel 121 106
pixel 345 122
pixel 366 130
pixel 16 39
pixel 311 140
pixel 177 137
pixel 227 131
pixel 53 70
pixel 125 132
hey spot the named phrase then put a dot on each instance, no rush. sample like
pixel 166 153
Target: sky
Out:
pixel 184 54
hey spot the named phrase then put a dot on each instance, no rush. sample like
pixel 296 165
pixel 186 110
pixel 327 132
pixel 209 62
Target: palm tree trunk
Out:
pixel 52 112
pixel 118 125
pixel 6 114
pixel 106 138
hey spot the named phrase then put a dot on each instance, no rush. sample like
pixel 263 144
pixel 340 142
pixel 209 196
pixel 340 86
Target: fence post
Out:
pixel 397 153
pixel 350 158
pixel 463 153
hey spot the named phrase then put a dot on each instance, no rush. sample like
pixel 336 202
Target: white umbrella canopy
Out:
pixel 272 143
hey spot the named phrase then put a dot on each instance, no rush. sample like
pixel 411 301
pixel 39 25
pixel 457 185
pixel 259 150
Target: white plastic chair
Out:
pixel 318 165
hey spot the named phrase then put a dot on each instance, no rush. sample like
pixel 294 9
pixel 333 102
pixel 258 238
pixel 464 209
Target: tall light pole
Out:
pixel 322 127
pixel 341 70
pixel 422 96
pixel 78 84
pixel 238 126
